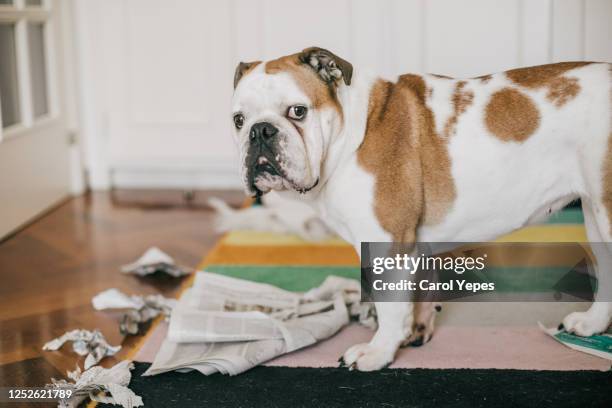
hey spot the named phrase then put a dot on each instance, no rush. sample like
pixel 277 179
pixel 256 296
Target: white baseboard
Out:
pixel 184 175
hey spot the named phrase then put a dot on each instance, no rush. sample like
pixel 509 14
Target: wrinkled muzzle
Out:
pixel 262 161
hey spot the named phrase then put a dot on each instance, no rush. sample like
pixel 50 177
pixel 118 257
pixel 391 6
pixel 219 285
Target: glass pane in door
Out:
pixel 38 69
pixel 6 2
pixel 9 92
pixel 33 3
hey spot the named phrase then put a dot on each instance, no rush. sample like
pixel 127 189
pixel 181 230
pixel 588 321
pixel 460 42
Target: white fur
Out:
pixel 500 186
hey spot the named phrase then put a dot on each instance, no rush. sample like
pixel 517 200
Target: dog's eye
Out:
pixel 297 112
pixel 238 120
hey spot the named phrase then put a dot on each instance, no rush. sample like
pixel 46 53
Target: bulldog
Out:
pixel 430 158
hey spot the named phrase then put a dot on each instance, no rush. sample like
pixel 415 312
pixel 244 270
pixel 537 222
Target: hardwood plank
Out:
pixel 51 269
pixel 33 372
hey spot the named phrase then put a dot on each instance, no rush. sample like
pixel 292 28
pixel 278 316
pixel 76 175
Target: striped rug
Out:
pixel 481 355
pixel 468 335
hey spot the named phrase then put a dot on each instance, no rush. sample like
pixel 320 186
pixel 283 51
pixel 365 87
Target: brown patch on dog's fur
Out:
pixel 407 158
pixel 388 151
pixel 319 93
pixel 438 186
pixel 538 76
pixel 560 89
pixel 415 83
pixel 511 115
pixel 461 100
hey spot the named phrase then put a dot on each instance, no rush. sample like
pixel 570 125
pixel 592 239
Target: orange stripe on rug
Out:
pixel 283 255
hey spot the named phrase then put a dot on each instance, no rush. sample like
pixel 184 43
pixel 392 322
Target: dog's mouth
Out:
pixel 266 174
pixel 267 165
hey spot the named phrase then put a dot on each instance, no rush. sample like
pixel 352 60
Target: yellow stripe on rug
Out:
pixel 271 238
pixel 536 233
pixel 264 248
pixel 547 233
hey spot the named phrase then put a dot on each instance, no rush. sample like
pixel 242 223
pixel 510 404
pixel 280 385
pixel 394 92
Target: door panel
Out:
pixel 34 149
pixel 34 174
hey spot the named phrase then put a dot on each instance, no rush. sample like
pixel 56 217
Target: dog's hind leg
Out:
pixel 597 318
pixel 423 324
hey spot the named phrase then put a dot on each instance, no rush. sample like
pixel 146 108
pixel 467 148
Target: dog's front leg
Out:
pixel 394 325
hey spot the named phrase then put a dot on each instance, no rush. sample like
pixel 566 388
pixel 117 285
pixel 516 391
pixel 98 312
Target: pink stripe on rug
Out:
pixel 521 348
pixel 152 343
pixel 514 347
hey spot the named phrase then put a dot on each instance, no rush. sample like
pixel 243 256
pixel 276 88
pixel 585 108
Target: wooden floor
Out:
pixel 51 269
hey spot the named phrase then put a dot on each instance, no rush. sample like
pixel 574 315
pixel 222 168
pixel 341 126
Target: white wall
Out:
pixel 156 75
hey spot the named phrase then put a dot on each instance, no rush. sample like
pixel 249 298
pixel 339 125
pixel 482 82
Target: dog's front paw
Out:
pixel 585 323
pixel 367 357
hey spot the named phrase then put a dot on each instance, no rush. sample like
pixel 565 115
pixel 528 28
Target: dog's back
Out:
pixel 521 145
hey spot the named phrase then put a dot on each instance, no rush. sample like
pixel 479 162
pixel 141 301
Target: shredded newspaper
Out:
pixel 106 385
pixel 155 260
pixel 85 343
pixel 139 309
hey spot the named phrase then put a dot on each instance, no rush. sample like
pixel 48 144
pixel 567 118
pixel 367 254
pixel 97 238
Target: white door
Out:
pixel 34 145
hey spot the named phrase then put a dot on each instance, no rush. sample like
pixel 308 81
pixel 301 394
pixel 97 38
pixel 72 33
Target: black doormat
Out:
pixel 335 387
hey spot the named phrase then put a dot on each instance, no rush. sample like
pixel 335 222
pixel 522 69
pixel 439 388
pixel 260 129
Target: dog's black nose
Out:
pixel 262 131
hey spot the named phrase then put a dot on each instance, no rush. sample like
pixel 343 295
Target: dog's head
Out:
pixel 285 114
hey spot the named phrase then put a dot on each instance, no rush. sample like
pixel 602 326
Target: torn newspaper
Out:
pixel 139 309
pixel 107 385
pixel 155 260
pixel 230 325
pixel 85 342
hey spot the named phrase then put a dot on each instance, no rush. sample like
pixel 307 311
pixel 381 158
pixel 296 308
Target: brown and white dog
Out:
pixel 430 158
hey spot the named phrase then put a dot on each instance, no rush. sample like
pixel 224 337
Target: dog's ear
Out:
pixel 329 66
pixel 241 69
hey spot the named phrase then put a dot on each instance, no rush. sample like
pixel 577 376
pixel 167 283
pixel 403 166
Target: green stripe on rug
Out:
pixel 507 280
pixel 567 216
pixel 296 278
pixel 540 279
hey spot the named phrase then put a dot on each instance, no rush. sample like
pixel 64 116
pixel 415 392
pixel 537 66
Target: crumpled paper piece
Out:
pixel 106 385
pixel 85 342
pixel 141 309
pixel 363 312
pixel 155 260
